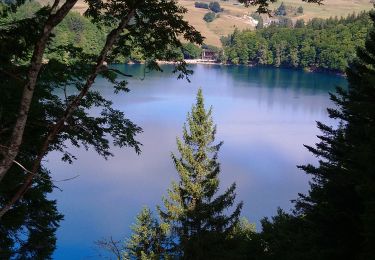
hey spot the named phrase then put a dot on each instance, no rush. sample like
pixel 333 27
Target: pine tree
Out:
pixel 339 211
pixel 281 10
pixel 358 109
pixel 148 238
pixel 300 23
pixel 195 215
pixel 300 10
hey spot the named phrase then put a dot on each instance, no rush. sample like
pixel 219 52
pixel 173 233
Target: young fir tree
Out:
pixel 148 239
pixel 196 216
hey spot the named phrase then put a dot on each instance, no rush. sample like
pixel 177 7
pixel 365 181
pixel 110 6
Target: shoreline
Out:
pixel 193 61
pixel 214 62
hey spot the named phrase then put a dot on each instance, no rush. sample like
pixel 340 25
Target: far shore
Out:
pixel 192 61
pixel 215 62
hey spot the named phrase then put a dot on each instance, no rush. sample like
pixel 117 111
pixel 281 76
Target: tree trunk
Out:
pixel 111 40
pixel 10 154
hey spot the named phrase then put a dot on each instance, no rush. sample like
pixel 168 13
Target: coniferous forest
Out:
pixel 319 44
pixel 52 57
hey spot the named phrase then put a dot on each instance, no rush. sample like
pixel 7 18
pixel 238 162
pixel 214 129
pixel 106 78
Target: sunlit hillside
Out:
pixel 234 15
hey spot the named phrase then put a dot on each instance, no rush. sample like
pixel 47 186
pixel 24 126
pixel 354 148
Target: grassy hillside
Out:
pixel 223 25
pixel 233 15
pixel 331 7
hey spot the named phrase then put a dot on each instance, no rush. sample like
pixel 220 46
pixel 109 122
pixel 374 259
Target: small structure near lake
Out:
pixel 209 55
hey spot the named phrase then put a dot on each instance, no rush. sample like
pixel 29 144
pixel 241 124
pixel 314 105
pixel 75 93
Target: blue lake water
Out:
pixel 263 115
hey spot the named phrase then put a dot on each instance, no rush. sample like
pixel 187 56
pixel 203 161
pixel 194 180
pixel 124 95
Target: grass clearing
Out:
pixel 233 15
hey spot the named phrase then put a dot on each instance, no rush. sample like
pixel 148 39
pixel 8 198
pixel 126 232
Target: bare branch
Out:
pixel 21 166
pixel 105 68
pixel 40 176
pixel 68 179
pixel 111 245
pixel 55 5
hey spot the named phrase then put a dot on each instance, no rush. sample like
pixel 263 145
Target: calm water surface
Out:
pixel 264 116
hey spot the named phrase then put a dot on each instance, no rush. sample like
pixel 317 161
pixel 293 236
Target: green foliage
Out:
pixel 26 10
pixel 18 34
pixel 335 219
pixel 343 183
pixel 260 24
pixel 215 7
pixel 201 5
pixel 81 32
pixel 27 231
pixel 300 10
pixel 281 239
pixel 243 242
pixel 148 239
pixel 300 23
pixel 263 6
pixel 156 33
pixel 209 17
pixel 28 228
pixel 243 228
pixel 285 22
pixel 75 29
pixel 195 215
pixel 321 44
pixel 191 51
pixel 281 10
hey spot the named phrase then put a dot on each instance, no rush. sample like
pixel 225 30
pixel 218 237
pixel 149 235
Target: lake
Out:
pixel 263 115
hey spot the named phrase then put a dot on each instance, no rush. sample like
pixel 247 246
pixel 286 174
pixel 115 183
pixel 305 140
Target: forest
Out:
pixel 50 59
pixel 319 44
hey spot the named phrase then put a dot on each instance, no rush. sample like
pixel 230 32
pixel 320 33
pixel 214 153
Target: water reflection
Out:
pixel 263 115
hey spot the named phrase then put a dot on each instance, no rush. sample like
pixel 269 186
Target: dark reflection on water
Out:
pixel 263 115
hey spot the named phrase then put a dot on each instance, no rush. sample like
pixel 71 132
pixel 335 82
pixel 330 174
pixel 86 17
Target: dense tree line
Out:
pixel 320 44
